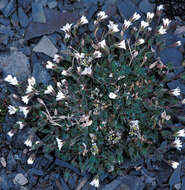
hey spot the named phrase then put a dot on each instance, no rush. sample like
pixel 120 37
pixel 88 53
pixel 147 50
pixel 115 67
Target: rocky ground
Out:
pixel 26 29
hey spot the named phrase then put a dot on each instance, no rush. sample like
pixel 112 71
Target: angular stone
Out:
pixel 9 9
pixel 11 163
pixel 20 179
pixel 23 19
pixel 46 46
pixel 4 21
pixel 15 64
pixel 52 4
pixel 145 6
pixel 173 56
pixel 127 8
pixel 55 20
pixel 4 182
pixel 6 30
pixel 3 4
pixel 128 182
pixel 38 14
pixel 39 72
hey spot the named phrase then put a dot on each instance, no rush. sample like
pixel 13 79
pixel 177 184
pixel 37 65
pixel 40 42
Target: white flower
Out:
pixel 50 65
pixel 144 24
pixel 87 71
pixel 183 101
pixel 25 99
pixel 29 89
pixel 57 58
pixel 11 110
pixel 11 133
pixel 122 44
pixel 31 81
pixel 79 55
pixel 112 95
pixel 149 16
pixel 134 124
pixel 173 164
pixel 113 27
pixel 162 30
pixel 177 144
pixel 28 142
pixel 65 73
pixel 83 20
pixel 135 17
pixel 97 54
pixel 95 182
pixel 127 23
pixel 102 44
pixel 102 15
pixel 49 90
pixel 67 27
pixel 176 91
pixel 67 36
pixel 11 80
pixel 180 133
pixel 164 116
pixel 160 7
pixel 60 143
pixel 166 22
pixel 31 159
pixel 140 41
pixel 60 96
pixel 178 43
pixel 25 110
pixel 20 123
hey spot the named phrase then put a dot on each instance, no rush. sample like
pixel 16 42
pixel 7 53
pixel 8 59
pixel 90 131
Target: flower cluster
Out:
pixel 105 102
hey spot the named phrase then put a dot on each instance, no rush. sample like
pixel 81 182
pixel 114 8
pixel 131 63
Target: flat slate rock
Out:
pixel 145 6
pixel 173 56
pixel 15 64
pixel 54 21
pixel 20 179
pixel 127 182
pixel 23 19
pixel 46 46
pixel 3 4
pixel 38 14
pixel 9 9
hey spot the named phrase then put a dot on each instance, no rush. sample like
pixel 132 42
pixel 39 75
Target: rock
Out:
pixel 39 72
pixel 23 19
pixel 183 183
pixel 72 181
pixel 6 30
pixel 38 14
pixel 15 21
pixel 11 163
pixel 20 179
pixel 15 64
pixel 52 4
pixel 125 183
pixel 172 56
pixel 4 21
pixel 35 171
pixel 145 6
pixel 127 8
pixel 3 4
pixel 177 83
pixel 9 9
pixel 4 182
pixel 46 46
pixel 55 20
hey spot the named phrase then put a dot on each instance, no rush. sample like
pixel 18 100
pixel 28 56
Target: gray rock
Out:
pixel 4 21
pixel 72 181
pixel 38 14
pixel 177 83
pixel 43 2
pixel 15 64
pixel 40 73
pixel 23 19
pixel 11 163
pixel 173 56
pixel 9 9
pixel 52 4
pixel 3 4
pixel 145 6
pixel 20 179
pixel 6 30
pixel 46 46
pixel 4 182
pixel 127 8
pixel 127 182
